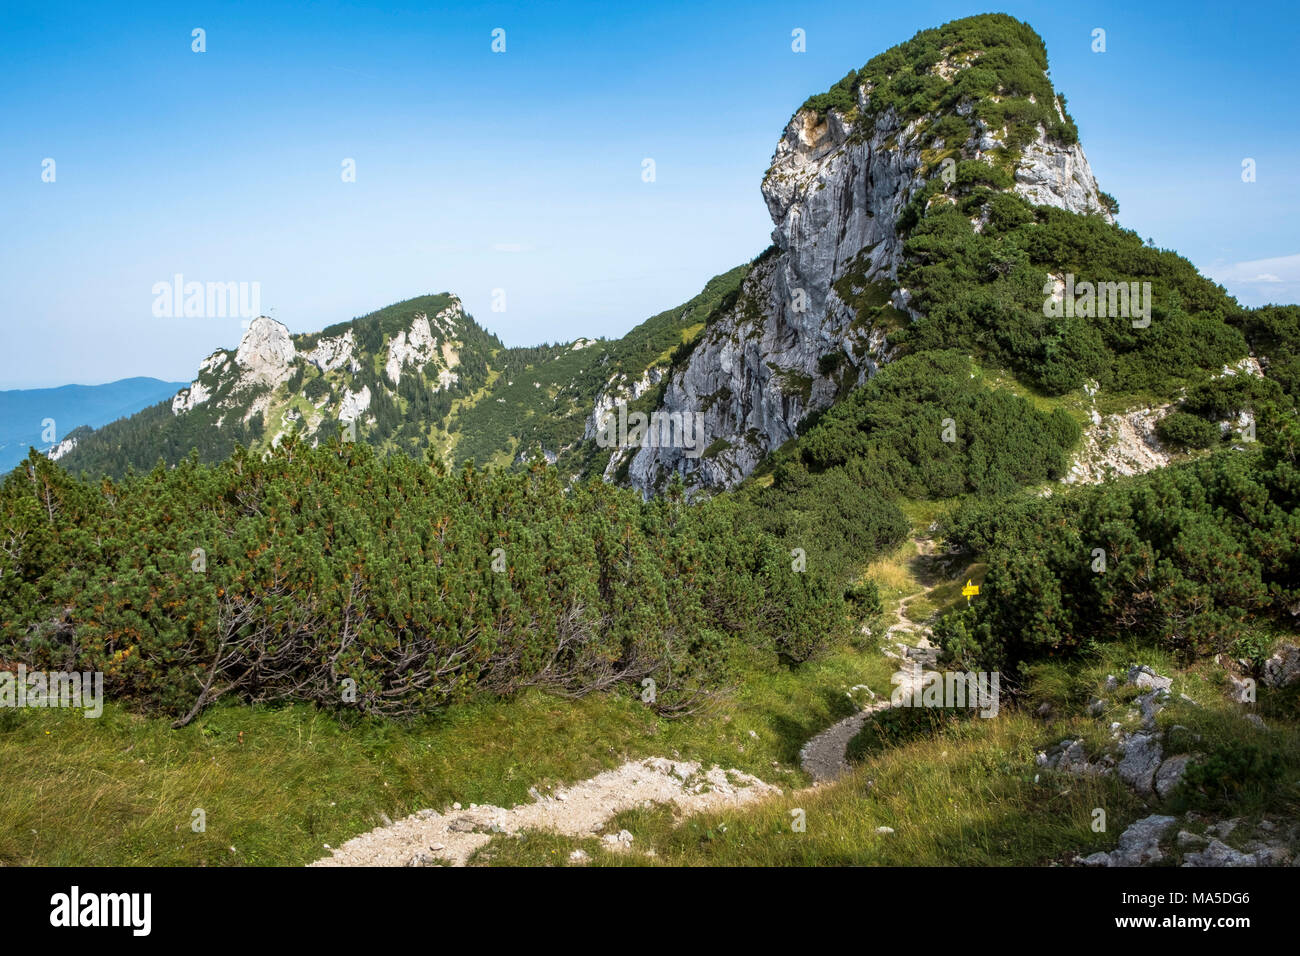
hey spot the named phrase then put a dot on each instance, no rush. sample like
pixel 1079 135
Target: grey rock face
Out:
pixel 1139 844
pixel 1074 759
pixel 354 404
pixel 1053 175
pixel 1143 676
pixel 1219 853
pixel 834 199
pixel 265 352
pixel 1070 756
pixel 1142 757
pixel 197 392
pixel 1170 774
pixel 334 352
pixel 618 390
pixel 1283 668
pixel 1151 704
pixel 835 191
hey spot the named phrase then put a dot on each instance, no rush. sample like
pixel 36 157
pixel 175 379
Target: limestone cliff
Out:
pixel 814 313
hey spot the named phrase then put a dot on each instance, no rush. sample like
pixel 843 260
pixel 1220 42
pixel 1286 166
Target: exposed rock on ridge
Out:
pixel 265 352
pixel 250 380
pixel 835 191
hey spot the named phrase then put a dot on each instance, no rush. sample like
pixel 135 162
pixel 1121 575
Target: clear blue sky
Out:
pixel 522 170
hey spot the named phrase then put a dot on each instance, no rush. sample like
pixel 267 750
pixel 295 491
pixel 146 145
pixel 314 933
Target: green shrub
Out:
pixel 388 586
pixel 1216 781
pixel 1193 558
pixel 1189 431
pixel 1005 57
pixel 864 598
pixel 983 292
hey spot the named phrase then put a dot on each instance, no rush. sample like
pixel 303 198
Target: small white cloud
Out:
pixel 1279 269
pixel 1260 281
pixel 511 247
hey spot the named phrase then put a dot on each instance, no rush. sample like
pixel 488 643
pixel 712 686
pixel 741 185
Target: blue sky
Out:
pixel 522 170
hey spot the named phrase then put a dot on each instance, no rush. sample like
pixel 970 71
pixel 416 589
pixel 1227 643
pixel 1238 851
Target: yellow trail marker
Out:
pixel 970 590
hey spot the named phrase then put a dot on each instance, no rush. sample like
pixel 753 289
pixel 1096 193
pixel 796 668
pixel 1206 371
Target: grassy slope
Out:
pixel 279 783
pixel 970 795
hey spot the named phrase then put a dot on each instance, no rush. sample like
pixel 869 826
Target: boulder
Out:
pixel 1219 853
pixel 1143 676
pixel 1139 844
pixel 1170 774
pixel 1283 668
pixel 1142 758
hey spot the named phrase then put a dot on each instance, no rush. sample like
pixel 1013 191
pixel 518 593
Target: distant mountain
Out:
pixel 43 417
pixel 417 376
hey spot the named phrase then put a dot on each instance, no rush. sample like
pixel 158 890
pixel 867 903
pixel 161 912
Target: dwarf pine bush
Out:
pixel 1192 558
pixel 386 585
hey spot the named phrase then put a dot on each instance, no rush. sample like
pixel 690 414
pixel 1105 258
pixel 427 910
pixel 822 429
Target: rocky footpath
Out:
pixel 450 837
pixel 824 757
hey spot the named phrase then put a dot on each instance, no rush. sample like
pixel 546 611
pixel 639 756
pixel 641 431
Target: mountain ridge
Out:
pixel 918 205
pixel 841 191
pixel 417 376
pixel 42 417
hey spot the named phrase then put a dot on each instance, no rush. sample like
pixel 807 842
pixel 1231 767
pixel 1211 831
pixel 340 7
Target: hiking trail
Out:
pixel 450 838
pixel 823 757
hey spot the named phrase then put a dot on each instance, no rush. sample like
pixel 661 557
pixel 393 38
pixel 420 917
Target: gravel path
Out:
pixel 824 757
pixel 429 838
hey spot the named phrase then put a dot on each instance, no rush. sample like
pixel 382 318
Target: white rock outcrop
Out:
pixel 188 398
pixel 61 449
pixel 197 393
pixel 353 404
pixel 1050 174
pixel 1118 445
pixel 265 353
pixel 424 342
pixel 415 346
pixel 618 390
pixel 334 352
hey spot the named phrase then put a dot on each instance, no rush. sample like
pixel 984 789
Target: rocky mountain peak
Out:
pixel 814 313
pixel 265 351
